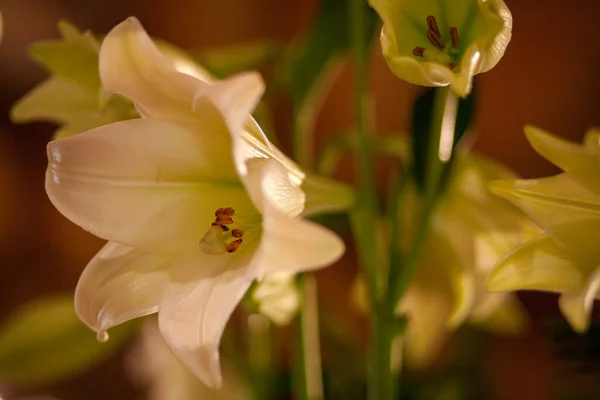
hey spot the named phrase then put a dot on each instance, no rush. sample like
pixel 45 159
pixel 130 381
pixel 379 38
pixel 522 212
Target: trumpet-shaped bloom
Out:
pixel 566 258
pixel 441 43
pixel 194 200
pixel 470 231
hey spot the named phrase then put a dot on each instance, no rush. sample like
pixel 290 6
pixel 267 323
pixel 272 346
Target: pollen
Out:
pixel 220 238
pixel 444 50
pixel 233 246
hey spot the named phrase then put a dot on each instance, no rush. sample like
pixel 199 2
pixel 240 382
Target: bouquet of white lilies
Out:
pixel 216 215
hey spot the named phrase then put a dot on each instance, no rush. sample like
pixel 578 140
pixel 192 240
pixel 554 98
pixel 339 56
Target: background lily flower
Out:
pixel 470 231
pixel 194 206
pixel 277 297
pixel 441 43
pixel 72 96
pixel 566 258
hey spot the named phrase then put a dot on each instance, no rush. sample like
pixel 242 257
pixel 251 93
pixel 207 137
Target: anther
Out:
pixel 224 227
pixel 224 216
pixel 233 246
pixel 433 26
pixel 237 233
pixel 435 40
pixel 418 51
pixel 454 36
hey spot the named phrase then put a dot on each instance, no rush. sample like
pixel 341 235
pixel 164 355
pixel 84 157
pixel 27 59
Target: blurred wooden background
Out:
pixel 548 77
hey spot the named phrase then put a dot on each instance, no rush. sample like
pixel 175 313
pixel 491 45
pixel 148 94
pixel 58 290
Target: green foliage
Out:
pixel 44 341
pixel 229 60
pixel 423 137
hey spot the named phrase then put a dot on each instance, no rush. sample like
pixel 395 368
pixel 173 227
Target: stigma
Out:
pixel 443 51
pixel 220 238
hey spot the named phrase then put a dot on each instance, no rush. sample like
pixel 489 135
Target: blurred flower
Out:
pixel 190 224
pixel 470 231
pixel 277 297
pixel 440 43
pixel 566 258
pixel 153 364
pixel 72 97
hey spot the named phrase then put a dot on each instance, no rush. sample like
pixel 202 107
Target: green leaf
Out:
pixel 307 64
pixel 422 139
pixel 44 341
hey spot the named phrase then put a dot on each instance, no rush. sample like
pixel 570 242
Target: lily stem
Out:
pixel 308 377
pixel 439 153
pixel 365 217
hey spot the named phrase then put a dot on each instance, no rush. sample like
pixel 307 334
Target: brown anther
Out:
pixel 224 227
pixel 418 51
pixel 435 40
pixel 237 233
pixel 454 36
pixel 224 216
pixel 228 211
pixel 233 246
pixel 433 26
pixel 224 220
pixel 452 65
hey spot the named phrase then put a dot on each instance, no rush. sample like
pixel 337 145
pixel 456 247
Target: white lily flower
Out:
pixel 153 187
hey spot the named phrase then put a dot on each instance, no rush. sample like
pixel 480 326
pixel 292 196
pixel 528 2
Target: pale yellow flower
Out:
pixel 441 43
pixel 195 202
pixel 566 258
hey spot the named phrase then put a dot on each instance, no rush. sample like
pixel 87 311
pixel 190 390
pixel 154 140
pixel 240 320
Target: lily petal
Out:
pixel 566 206
pixel 148 183
pixel 576 305
pixel 120 284
pixel 562 153
pixel 539 264
pixel 288 243
pixel 235 98
pixel 133 66
pixel 196 307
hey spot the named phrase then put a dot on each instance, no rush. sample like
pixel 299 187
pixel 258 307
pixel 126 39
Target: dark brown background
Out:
pixel 549 77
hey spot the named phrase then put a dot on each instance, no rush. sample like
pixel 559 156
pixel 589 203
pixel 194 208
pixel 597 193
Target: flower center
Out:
pixel 220 237
pixel 442 52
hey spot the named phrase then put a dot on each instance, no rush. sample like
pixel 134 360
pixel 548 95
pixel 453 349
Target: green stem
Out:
pixel 308 383
pixel 365 218
pixel 439 153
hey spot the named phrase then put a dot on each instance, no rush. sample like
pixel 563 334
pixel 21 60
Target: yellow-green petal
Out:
pixel 567 206
pixel 562 153
pixel 540 264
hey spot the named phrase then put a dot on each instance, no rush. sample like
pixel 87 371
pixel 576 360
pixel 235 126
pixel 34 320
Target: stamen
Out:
pixel 233 246
pixel 418 51
pixel 224 216
pixel 433 26
pixel 237 233
pixel 435 40
pixel 454 36
pixel 452 65
pixel 224 227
